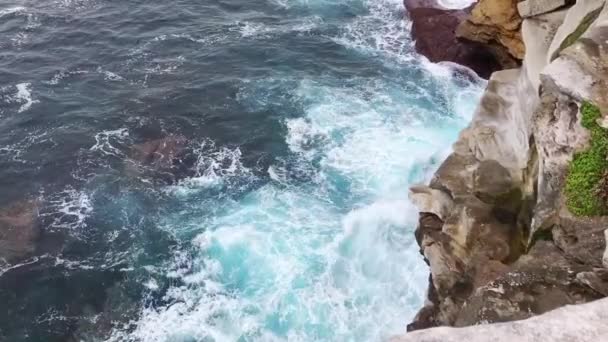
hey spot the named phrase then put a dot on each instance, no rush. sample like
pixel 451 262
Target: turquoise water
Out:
pixel 308 121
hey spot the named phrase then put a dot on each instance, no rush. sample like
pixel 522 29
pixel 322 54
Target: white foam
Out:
pixel 12 10
pixel 331 258
pixel 24 96
pixel 110 76
pixel 105 141
pixel 249 29
pixel 382 32
pixel 214 166
pixel 59 76
pixel 456 4
pixel 68 209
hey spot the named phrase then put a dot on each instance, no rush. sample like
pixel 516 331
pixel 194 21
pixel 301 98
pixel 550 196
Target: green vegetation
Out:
pixel 579 31
pixel 585 180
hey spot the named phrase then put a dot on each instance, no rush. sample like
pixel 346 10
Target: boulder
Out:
pixel 433 29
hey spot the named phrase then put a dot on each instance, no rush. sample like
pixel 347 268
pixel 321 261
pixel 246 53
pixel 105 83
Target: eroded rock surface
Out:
pixel 581 323
pixel 496 23
pixel 494 227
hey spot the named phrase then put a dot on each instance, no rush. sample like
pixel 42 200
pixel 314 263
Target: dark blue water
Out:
pixel 209 170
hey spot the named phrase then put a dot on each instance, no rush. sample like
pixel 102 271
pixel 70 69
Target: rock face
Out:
pixel 531 8
pixel 581 323
pixel 434 30
pixel 495 227
pixel 496 23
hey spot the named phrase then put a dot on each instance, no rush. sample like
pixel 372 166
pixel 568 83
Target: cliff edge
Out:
pixel 514 222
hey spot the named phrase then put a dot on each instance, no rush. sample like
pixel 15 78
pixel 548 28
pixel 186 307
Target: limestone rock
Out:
pixel 495 22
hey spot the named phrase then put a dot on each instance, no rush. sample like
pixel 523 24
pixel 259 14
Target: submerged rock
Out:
pixel 19 231
pixel 159 153
pixel 160 158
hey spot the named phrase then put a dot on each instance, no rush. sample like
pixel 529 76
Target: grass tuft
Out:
pixel 588 168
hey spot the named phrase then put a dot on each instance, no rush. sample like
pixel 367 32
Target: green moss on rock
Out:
pixel 579 31
pixel 588 168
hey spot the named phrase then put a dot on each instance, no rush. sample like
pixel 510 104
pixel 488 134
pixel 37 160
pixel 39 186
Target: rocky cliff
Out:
pixel 513 223
pixel 485 37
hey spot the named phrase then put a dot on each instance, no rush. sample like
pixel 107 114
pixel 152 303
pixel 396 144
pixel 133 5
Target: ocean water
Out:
pixel 284 214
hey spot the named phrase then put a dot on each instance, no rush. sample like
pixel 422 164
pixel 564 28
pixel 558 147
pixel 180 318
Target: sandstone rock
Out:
pixel 596 280
pixel 500 128
pixel 491 181
pixel 540 281
pixel 605 256
pixel 496 23
pixel 581 323
pixel 558 135
pixel 574 17
pixel 538 32
pixel 18 231
pixel 429 200
pixel 508 248
pixel 433 29
pixel 582 239
pixel 531 8
pixel 567 77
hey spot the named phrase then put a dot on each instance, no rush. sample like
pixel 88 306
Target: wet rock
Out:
pixel 159 153
pixel 19 231
pixel 434 30
pixel 496 23
pixel 160 158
